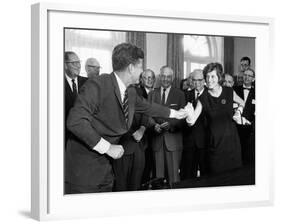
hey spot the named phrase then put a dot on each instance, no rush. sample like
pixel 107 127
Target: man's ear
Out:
pixel 130 68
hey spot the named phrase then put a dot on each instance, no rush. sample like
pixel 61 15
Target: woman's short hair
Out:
pixel 214 66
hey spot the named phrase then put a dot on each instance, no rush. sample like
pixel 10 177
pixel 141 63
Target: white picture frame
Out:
pixel 48 201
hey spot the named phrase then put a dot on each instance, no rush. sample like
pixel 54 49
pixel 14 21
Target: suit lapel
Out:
pixel 250 97
pixel 116 90
pixel 131 101
pixel 158 96
pixel 170 96
pixel 80 82
pixel 144 92
pixel 69 93
pixel 240 92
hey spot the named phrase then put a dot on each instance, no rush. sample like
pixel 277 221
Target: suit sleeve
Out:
pixel 151 109
pixel 81 115
pixel 175 123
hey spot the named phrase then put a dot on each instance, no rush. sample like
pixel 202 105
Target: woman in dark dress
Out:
pixel 224 145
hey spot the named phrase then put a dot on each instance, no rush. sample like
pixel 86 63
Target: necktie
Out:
pixel 163 97
pixel 126 106
pixel 74 88
pixel 196 99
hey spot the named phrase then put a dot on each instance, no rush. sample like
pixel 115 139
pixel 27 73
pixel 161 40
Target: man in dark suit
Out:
pixel 194 157
pixel 72 84
pixel 102 113
pixel 167 138
pixel 246 129
pixel 129 168
pixel 148 80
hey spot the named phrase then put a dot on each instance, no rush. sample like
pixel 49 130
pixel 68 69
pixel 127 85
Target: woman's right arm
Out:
pixel 193 113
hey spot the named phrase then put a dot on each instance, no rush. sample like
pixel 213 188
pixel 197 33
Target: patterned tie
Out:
pixel 74 88
pixel 126 106
pixel 163 97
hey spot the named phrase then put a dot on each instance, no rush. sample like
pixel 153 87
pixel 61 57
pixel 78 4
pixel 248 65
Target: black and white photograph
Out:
pixel 157 111
pixel 139 112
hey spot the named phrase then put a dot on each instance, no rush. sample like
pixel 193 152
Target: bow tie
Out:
pixel 248 88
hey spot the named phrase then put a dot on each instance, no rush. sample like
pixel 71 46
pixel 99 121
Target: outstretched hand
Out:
pixel 180 114
pixel 190 113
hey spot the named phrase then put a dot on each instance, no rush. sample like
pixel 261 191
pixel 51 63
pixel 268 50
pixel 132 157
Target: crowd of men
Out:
pixel 122 136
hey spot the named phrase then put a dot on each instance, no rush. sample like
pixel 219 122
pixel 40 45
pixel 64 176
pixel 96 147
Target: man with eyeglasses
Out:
pixel 245 63
pixel 147 85
pixel 194 156
pixel 92 67
pixel 246 128
pixel 72 84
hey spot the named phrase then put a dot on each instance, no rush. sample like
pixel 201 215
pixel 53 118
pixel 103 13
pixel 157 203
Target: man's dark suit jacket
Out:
pixel 196 135
pixel 249 109
pixel 173 137
pixel 142 92
pixel 139 119
pixel 247 132
pixel 69 99
pixel 98 113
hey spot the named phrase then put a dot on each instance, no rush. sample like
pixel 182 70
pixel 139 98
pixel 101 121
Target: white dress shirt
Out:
pixel 246 92
pixel 69 80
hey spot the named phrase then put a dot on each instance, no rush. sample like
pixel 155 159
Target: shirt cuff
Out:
pixel 102 146
pixel 172 113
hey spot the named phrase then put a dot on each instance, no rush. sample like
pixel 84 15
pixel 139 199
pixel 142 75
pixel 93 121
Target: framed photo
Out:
pixel 55 29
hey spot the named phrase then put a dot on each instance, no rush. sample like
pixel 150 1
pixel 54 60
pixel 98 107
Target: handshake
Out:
pixel 185 113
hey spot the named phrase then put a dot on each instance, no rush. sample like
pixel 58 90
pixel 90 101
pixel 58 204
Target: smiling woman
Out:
pixel 224 150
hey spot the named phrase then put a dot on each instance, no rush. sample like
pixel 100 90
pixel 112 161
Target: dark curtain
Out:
pixel 175 56
pixel 138 39
pixel 229 55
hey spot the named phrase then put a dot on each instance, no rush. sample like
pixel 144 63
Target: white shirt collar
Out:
pixel 247 87
pixel 200 93
pixel 121 85
pixel 147 90
pixel 69 80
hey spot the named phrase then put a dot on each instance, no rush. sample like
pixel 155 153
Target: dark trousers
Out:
pixel 247 140
pixel 78 189
pixel 128 171
pixel 149 169
pixel 193 159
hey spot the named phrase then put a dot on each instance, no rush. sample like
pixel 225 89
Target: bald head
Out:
pixel 166 76
pixel 148 78
pixel 198 79
pixel 92 67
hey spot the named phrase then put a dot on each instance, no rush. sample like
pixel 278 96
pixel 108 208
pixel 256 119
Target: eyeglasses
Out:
pixel 197 80
pixel 74 62
pixel 93 66
pixel 244 64
pixel 248 75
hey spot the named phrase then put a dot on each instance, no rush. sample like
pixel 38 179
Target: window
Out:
pixel 93 43
pixel 201 50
